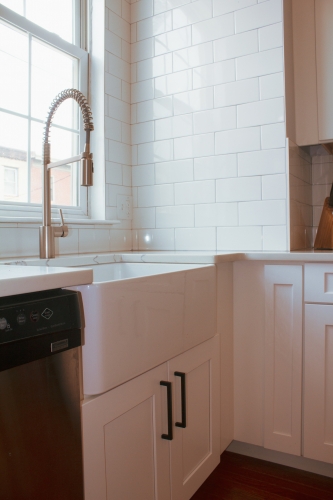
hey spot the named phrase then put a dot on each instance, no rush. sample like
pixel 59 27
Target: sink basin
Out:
pixel 139 315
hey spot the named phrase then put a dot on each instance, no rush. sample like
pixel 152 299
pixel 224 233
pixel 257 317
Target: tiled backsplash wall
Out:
pixel 208 133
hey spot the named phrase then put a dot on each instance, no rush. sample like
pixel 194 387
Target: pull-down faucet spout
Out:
pixel 47 232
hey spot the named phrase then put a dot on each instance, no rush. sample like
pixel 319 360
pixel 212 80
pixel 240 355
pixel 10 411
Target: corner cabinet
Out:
pixel 142 441
pixel 312 22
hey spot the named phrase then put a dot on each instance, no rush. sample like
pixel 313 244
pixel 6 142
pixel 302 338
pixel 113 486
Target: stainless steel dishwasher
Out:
pixel 40 425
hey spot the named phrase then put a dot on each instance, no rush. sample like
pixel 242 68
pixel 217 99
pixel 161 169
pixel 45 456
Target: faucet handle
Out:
pixel 61 217
pixel 62 230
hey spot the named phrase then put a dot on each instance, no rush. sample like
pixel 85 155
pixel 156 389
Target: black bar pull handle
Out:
pixel 168 436
pixel 183 398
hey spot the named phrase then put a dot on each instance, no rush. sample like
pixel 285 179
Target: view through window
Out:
pixel 33 72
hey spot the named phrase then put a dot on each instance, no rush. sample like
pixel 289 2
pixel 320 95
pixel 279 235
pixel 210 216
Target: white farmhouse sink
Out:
pixel 138 316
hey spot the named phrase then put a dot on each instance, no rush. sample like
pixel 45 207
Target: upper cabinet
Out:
pixel 309 70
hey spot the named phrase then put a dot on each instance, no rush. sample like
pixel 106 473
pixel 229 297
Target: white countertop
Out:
pixel 24 279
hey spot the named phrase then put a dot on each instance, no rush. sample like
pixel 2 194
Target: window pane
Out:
pixel 10 181
pixel 13 155
pixel 63 145
pixel 54 15
pixel 53 71
pixel 14 53
pixel 15 5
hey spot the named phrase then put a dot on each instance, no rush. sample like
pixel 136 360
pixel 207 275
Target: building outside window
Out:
pixel 10 182
pixel 40 55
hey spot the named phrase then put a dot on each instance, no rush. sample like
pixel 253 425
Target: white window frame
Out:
pixel 15 170
pixel 17 209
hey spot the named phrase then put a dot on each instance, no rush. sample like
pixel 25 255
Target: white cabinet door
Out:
pixel 195 448
pixel 318 382
pixel 283 358
pixel 125 457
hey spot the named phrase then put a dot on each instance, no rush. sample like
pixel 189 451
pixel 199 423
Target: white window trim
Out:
pixel 24 210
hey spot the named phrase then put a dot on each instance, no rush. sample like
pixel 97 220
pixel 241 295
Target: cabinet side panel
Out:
pixel 324 54
pixel 249 328
pixel 283 358
pixel 305 72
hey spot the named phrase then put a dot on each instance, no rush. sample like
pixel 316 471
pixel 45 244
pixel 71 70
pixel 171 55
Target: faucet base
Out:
pixel 46 242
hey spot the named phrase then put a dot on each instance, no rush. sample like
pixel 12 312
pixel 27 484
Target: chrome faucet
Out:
pixel 47 232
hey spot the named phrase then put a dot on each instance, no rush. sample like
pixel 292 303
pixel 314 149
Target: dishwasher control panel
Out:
pixel 29 315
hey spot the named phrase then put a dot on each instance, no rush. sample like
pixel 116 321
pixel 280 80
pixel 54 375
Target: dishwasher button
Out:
pixel 3 323
pixel 21 319
pixel 34 316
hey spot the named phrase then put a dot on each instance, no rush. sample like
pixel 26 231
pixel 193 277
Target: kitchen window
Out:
pixel 10 182
pixel 41 55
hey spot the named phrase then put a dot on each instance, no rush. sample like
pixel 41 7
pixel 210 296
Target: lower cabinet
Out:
pixel 318 382
pixel 156 436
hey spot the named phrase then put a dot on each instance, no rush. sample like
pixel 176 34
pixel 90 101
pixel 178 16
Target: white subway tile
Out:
pixel 216 214
pixel 141 9
pixel 126 136
pixel 196 239
pixel 191 57
pixel 154 26
pixel 133 72
pixel 215 120
pixel 214 74
pixel 154 109
pixel 237 141
pixel 143 218
pixel 126 51
pixel 215 167
pixel 274 187
pixel 173 40
pixel 322 173
pixel 155 196
pixel 192 13
pixel 143 175
pixel 271 161
pixel 271 36
pixel 271 86
pixel 112 43
pixel 275 238
pixel 157 66
pixel 260 113
pixel 133 33
pixel 233 93
pixel 262 63
pixel 119 68
pixel 120 240
pixel 113 173
pixel 174 83
pixel 142 50
pixel 192 193
pixel 262 213
pixel 112 85
pixel 193 100
pixel 254 17
pixel 194 146
pixel 119 26
pixel 119 152
pixel 126 92
pixel 20 242
pixel 214 28
pixel 238 189
pixel 273 136
pixel 133 113
pixel 176 126
pixel 236 46
pixel 156 239
pixel 163 5
pixel 180 216
pixel 114 5
pixel 68 245
pixel 157 151
pixel 142 132
pixel 239 238
pixel 127 175
pixel 112 129
pixel 92 240
pixel 126 11
pixel 119 110
pixel 224 6
pixel 142 91
pixel 174 171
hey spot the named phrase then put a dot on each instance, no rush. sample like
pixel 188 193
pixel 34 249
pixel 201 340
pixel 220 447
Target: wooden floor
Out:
pixel 245 478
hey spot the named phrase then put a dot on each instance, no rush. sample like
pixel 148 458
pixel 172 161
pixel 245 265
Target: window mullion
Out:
pixel 29 119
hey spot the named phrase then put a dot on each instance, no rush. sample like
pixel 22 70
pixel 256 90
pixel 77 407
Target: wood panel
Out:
pixel 283 358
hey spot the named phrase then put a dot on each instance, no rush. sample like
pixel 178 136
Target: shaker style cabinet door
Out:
pixel 283 358
pixel 318 383
pixel 125 457
pixel 195 448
